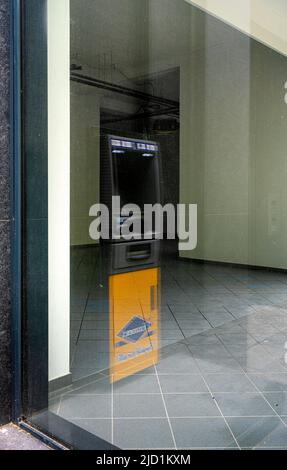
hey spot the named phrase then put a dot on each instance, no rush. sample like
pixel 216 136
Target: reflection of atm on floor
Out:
pixel 130 169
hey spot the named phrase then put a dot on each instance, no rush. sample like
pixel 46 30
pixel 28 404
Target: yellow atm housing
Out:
pixel 134 322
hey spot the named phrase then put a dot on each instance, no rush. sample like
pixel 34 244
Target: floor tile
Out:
pixel 139 406
pixel 167 342
pixel 232 332
pixel 278 401
pixel 74 334
pixel 204 341
pixel 191 323
pixel 270 382
pixel 191 405
pixel 209 353
pixel 177 363
pixel 77 316
pixel 230 338
pixel 143 434
pixel 277 351
pixel 97 335
pixel 174 333
pixel 202 433
pixel 76 406
pixel 229 383
pixel 168 324
pixel 262 332
pixel 218 318
pixel 258 432
pixel 96 316
pixel 75 325
pixel 239 312
pixel 182 384
pixel 190 333
pixel 183 308
pixel 260 365
pixel 96 325
pixel 137 384
pixel 221 365
pixel 243 404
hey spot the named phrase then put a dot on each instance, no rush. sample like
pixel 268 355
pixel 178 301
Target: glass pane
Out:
pixel 169 329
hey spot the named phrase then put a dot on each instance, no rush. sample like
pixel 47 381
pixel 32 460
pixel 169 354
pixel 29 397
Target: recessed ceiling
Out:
pixel 264 20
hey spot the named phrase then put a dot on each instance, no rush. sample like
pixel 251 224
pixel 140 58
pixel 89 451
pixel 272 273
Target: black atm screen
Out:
pixel 136 178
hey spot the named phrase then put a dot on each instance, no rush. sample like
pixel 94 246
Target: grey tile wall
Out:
pixel 5 249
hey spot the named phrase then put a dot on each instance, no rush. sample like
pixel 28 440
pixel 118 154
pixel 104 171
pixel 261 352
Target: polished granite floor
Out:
pixel 221 381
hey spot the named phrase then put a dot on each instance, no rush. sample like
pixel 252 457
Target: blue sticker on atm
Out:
pixel 135 330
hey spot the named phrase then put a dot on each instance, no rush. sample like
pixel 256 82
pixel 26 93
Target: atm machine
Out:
pixel 130 168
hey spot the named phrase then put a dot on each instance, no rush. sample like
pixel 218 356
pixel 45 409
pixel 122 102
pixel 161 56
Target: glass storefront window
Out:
pixel 155 219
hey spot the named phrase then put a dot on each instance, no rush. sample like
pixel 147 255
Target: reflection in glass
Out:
pixel 175 349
